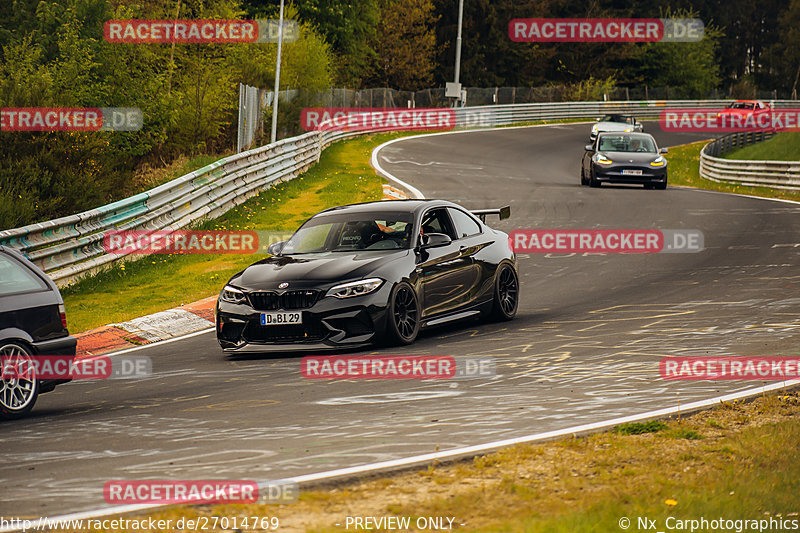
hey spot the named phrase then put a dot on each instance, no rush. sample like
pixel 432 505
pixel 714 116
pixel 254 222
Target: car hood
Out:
pixel 631 157
pixel 308 270
pixel 613 126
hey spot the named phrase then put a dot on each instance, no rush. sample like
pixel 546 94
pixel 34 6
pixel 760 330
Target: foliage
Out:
pixel 405 45
pixel 691 67
pixel 590 90
pixel 52 54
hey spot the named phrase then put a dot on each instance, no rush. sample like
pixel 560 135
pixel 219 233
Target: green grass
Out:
pixel 160 282
pixel 638 428
pixel 782 147
pixel 684 169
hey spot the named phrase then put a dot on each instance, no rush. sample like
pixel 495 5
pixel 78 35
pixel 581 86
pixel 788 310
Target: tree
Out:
pixel 784 55
pixel 349 26
pixel 692 68
pixel 405 45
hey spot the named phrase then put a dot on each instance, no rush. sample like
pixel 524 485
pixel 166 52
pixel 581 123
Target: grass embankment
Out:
pixel 734 461
pixel 148 177
pixel 160 282
pixel 782 147
pixel 684 169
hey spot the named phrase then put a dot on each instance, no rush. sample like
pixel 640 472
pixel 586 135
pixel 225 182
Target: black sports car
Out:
pixel 624 158
pixel 371 272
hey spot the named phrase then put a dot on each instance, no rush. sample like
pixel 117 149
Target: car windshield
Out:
pixel 349 232
pixel 741 105
pixel 627 143
pixel 615 118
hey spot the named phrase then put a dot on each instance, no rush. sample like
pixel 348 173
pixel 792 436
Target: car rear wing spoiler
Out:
pixel 503 212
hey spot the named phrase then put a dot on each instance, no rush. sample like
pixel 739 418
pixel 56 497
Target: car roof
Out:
pixel 387 206
pixel 625 133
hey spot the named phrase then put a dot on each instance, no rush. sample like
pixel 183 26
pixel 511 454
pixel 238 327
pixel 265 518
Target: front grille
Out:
pixel 311 331
pixel 264 301
pixel 270 301
pixel 299 299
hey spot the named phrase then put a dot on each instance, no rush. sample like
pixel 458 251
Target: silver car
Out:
pixel 622 123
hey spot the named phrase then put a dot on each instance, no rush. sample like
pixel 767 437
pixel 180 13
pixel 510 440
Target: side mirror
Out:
pixel 435 240
pixel 663 151
pixel 275 248
pixel 588 148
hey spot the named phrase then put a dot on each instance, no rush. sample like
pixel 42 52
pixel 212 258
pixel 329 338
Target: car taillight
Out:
pixel 63 312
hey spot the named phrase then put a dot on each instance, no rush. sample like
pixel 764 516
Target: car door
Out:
pixel 444 271
pixel 471 240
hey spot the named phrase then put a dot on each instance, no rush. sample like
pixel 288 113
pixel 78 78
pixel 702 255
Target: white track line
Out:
pixel 415 193
pixel 467 450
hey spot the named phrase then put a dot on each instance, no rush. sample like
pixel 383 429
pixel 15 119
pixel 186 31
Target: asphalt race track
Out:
pixel 585 346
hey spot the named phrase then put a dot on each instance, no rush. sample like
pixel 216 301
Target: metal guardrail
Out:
pixel 503 115
pixel 70 247
pixel 779 174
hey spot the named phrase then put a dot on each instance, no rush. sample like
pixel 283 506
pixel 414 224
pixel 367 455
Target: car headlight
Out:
pixel 658 162
pixel 601 159
pixel 628 129
pixel 355 288
pixel 232 295
pixel 594 128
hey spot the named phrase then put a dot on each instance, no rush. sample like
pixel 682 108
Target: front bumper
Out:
pixel 614 173
pixel 327 323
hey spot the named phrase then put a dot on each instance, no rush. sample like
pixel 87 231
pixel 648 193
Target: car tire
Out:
pixel 404 315
pixel 583 177
pixel 593 182
pixel 506 293
pixel 17 395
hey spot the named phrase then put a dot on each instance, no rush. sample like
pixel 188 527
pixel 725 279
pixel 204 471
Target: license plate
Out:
pixel 281 319
pixel 631 172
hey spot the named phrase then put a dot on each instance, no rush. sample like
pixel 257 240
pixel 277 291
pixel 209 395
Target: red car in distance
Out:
pixel 745 107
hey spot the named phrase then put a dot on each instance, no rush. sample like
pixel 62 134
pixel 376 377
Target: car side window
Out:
pixel 16 278
pixel 465 225
pixel 437 221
